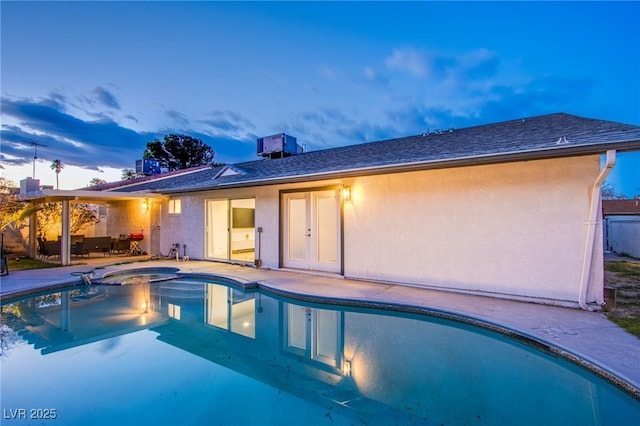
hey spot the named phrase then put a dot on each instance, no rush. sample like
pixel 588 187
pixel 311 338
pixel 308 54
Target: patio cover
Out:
pixel 66 197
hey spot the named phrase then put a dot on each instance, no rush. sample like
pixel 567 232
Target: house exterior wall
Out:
pixel 189 227
pixel 186 228
pixel 514 229
pixel 125 217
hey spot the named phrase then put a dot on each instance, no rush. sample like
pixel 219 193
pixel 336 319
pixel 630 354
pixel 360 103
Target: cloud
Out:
pixel 375 76
pixel 411 60
pixel 131 117
pixel 94 144
pixel 16 146
pixel 480 63
pixel 228 123
pixel 74 141
pixel 318 128
pixel 177 117
pixel 327 127
pixel 55 100
pixel 474 105
pixel 437 67
pixel 469 66
pixel 105 97
pixel 328 72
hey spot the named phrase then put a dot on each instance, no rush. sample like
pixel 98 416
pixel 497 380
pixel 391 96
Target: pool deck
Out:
pixel 589 335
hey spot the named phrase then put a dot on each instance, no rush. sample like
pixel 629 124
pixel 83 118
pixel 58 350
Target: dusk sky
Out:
pixel 96 81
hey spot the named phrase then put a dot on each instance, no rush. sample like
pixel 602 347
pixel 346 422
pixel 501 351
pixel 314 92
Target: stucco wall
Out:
pixel 514 229
pixel 189 227
pixel 125 217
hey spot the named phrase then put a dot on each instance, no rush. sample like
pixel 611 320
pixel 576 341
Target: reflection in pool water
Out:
pixel 197 352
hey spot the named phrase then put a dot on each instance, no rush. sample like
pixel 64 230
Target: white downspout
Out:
pixel 592 225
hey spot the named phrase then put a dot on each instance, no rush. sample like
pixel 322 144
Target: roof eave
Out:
pixel 54 195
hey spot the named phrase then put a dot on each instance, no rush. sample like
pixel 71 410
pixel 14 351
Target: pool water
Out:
pixel 195 351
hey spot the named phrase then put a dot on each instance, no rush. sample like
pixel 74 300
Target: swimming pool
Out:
pixel 214 351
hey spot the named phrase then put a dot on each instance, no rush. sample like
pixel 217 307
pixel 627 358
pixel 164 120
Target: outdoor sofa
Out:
pixel 92 245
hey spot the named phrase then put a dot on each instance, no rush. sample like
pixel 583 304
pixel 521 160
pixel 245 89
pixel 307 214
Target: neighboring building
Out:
pixel 622 226
pixel 509 210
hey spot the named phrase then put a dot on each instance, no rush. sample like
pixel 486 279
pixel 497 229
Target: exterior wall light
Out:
pixel 346 193
pixel 145 205
pixel 346 368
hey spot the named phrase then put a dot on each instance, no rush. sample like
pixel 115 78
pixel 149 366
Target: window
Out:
pixel 175 206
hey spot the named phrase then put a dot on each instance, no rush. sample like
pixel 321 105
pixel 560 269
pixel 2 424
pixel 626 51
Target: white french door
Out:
pixel 311 231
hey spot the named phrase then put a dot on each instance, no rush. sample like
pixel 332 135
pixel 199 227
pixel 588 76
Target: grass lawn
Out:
pixel 29 263
pixel 625 278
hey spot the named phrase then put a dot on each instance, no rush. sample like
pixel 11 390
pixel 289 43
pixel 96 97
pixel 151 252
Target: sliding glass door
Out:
pixel 231 229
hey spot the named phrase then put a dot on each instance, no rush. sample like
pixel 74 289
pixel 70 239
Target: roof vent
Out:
pixel 278 146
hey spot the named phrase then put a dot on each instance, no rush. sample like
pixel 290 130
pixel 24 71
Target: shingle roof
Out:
pixel 142 179
pixel 546 136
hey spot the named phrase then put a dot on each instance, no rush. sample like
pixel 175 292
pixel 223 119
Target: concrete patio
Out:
pixel 589 335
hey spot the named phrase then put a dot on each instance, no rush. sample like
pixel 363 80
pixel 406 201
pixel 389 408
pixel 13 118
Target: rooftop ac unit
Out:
pixel 148 167
pixel 277 146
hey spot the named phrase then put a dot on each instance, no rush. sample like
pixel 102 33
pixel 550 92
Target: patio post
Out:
pixel 65 239
pixel 33 240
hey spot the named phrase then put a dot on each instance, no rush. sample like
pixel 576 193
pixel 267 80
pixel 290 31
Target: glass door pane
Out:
pixel 297 228
pixel 218 226
pixel 243 243
pixel 327 210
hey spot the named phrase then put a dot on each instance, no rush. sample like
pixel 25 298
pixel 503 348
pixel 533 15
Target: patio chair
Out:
pixel 42 248
pixel 78 249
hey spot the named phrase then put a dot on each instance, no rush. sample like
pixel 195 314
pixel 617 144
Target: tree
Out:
pixel 97 181
pixel 12 210
pixel 57 166
pixel 610 193
pixel 128 174
pixel 50 217
pixel 177 152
